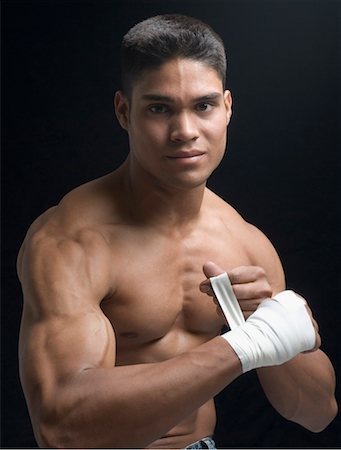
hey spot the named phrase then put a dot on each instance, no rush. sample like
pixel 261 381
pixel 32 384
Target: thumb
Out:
pixel 212 269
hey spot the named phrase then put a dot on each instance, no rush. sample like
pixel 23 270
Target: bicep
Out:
pixel 55 351
pixel 63 329
pixel 64 346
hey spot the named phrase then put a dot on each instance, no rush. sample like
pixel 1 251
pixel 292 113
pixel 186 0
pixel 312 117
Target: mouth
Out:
pixel 187 155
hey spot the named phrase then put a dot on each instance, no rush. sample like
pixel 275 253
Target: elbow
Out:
pixel 55 433
pixel 320 421
pixel 53 436
pixel 327 418
pixel 46 435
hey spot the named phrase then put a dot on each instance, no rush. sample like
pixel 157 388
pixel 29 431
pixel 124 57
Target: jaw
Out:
pixel 163 198
pixel 175 175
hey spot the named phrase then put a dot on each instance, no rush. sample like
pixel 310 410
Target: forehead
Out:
pixel 178 78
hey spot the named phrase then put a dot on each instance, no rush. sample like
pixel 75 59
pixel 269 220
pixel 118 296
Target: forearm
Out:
pixel 302 390
pixel 132 406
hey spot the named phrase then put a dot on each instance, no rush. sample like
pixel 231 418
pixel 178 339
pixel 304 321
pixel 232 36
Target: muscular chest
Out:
pixel 157 296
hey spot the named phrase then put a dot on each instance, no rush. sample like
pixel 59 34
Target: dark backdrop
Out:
pixel 60 69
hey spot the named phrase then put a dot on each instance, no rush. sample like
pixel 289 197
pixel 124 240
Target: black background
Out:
pixel 282 169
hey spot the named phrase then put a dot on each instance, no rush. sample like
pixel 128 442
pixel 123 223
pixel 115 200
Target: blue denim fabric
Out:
pixel 203 443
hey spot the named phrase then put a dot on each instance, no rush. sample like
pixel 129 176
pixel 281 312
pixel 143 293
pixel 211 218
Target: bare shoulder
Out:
pixel 257 245
pixel 64 269
pixel 65 256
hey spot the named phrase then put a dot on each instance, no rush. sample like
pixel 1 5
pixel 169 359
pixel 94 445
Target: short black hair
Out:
pixel 156 40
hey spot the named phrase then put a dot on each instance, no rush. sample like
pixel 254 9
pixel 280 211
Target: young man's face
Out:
pixel 176 120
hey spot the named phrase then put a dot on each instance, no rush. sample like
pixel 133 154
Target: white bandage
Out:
pixel 223 291
pixel 277 331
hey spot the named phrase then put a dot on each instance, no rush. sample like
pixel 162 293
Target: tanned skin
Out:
pixel 119 341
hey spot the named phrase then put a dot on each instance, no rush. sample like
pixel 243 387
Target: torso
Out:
pixel 157 306
pixel 157 310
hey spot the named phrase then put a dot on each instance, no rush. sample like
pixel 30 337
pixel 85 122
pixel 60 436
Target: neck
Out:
pixel 154 203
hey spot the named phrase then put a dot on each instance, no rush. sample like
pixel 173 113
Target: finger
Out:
pixel 246 274
pixel 317 343
pixel 250 304
pixel 212 269
pixel 315 325
pixel 250 291
pixel 206 288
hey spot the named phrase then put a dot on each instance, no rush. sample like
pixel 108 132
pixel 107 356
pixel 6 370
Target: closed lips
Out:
pixel 187 154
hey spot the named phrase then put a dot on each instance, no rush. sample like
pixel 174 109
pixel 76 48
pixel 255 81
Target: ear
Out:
pixel 228 105
pixel 121 105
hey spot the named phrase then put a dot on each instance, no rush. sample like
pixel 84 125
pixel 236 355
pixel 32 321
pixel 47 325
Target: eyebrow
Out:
pixel 166 98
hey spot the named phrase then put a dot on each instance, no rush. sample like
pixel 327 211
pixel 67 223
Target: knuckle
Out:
pixel 259 271
pixel 262 271
pixel 265 289
pixel 234 274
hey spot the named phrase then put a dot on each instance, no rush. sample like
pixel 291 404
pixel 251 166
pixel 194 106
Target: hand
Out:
pixel 279 330
pixel 249 284
pixel 315 325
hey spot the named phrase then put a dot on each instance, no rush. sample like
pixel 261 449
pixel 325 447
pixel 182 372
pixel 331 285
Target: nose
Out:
pixel 183 128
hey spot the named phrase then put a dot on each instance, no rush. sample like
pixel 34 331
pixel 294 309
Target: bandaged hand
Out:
pixel 276 332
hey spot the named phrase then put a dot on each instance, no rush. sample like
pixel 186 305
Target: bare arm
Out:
pixel 75 394
pixel 302 390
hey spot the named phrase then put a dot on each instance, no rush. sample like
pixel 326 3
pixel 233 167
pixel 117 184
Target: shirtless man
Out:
pixel 120 344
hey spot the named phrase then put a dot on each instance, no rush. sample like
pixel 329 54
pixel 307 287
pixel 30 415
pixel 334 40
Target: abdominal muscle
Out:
pixel 198 425
pixel 201 423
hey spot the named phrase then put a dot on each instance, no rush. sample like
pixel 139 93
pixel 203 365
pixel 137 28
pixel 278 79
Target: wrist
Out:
pixel 230 354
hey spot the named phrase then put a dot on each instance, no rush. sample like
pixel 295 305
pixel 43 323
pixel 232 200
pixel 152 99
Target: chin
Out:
pixel 186 183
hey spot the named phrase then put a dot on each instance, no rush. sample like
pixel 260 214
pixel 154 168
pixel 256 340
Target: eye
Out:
pixel 204 106
pixel 158 108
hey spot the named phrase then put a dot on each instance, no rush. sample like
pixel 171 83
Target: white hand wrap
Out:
pixel 223 291
pixel 277 331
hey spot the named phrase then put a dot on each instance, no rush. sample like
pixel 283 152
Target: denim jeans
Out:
pixel 203 443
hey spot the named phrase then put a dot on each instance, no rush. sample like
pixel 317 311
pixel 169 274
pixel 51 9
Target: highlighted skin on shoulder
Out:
pixel 66 268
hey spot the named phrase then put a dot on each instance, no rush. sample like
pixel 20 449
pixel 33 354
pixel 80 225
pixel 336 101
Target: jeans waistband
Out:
pixel 203 443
